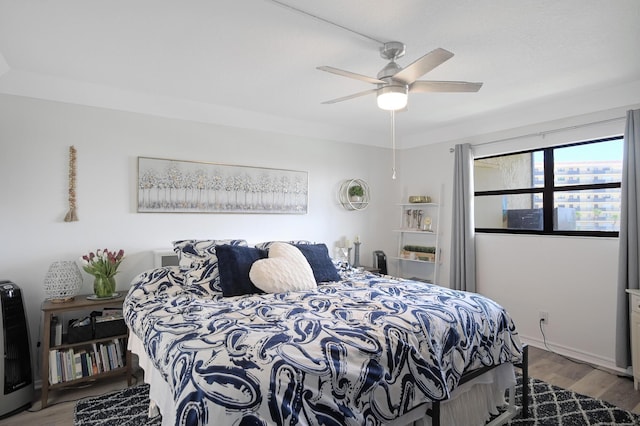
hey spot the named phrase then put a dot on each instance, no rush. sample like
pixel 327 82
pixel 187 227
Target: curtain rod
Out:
pixel 561 129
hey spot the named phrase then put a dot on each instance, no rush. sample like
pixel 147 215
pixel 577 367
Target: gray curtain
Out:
pixel 628 269
pixel 463 252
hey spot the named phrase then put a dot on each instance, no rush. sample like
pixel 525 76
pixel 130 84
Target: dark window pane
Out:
pixel 508 212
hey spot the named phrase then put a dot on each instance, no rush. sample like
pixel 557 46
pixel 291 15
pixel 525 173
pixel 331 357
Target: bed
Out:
pixel 353 348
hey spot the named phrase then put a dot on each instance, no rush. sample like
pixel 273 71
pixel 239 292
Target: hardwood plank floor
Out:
pixel 584 379
pixel 543 365
pixel 60 409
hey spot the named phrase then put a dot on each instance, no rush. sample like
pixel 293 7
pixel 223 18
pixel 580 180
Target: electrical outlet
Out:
pixel 544 317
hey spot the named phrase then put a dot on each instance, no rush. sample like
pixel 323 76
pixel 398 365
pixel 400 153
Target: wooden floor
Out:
pixel 543 365
pixel 584 379
pixel 59 412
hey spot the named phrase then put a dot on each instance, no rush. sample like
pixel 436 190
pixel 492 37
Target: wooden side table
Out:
pixel 80 303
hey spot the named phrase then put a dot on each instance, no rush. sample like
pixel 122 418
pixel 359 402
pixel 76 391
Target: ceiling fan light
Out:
pixel 392 98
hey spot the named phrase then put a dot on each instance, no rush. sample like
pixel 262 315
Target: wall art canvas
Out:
pixel 174 186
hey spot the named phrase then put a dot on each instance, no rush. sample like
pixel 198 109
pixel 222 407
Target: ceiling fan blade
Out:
pixel 444 86
pixel 423 65
pixel 355 95
pixel 350 74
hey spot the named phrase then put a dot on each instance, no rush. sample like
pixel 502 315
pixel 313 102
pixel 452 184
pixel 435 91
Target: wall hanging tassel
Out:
pixel 71 214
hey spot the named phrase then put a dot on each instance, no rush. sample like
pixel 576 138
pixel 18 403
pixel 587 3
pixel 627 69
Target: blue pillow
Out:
pixel 267 244
pixel 234 263
pixel 318 257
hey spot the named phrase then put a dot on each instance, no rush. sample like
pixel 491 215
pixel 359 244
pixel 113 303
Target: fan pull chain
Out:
pixel 393 142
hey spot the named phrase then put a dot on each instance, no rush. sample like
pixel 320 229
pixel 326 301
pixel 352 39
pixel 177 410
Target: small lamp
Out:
pixel 63 281
pixel 392 97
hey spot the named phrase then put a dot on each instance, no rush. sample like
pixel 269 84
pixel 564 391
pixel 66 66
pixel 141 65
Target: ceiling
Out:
pixel 252 63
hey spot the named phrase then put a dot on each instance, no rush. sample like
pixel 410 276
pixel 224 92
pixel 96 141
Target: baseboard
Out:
pixel 589 358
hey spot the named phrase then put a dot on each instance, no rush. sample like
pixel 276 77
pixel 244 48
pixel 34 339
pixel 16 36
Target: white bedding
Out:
pixel 471 404
pixel 367 350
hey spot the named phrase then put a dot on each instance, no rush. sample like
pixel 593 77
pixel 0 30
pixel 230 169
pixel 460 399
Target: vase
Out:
pixel 104 286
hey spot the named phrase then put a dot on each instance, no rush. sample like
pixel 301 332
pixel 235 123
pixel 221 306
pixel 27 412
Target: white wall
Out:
pixel 35 137
pixel 573 279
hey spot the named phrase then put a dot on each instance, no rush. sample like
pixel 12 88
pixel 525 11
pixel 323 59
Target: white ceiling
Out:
pixel 252 63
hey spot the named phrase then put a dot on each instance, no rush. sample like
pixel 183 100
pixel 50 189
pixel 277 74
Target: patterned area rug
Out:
pixel 549 406
pixel 126 407
pixel 553 406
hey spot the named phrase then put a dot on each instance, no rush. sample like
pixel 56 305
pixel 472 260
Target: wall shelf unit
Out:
pixel 418 254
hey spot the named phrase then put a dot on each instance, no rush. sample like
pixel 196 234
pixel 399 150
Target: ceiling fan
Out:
pixel 394 82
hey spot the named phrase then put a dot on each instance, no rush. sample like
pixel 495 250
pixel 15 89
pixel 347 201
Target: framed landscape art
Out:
pixel 175 186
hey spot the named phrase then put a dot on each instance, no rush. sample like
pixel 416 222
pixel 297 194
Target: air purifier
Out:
pixel 17 390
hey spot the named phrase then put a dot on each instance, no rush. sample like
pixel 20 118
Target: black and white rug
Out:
pixel 553 406
pixel 549 406
pixel 127 407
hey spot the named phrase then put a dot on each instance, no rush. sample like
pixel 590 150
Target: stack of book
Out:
pixel 95 358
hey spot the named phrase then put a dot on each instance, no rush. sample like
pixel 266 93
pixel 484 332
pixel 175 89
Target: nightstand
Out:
pixel 110 352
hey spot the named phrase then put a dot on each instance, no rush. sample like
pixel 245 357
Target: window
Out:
pixel 572 189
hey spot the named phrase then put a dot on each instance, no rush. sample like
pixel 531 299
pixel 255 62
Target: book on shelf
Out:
pixel 85 361
pixel 53 367
pixel 98 358
pixel 89 361
pixel 56 332
pixel 59 366
pixel 108 318
pixel 71 369
pixel 112 355
pixel 109 314
pixel 63 366
pixel 104 356
pixel 119 353
pixel 114 312
pixel 77 365
pixel 82 361
pixel 64 362
pixel 94 364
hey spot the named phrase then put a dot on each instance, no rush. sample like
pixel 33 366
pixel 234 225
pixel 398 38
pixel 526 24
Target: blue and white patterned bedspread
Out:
pixel 362 351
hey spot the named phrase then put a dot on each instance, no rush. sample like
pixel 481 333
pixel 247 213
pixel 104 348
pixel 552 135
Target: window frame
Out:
pixel 548 191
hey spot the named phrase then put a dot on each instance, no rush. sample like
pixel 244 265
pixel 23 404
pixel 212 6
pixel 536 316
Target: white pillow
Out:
pixel 286 269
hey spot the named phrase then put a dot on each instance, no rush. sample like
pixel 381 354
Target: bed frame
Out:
pixel 512 410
